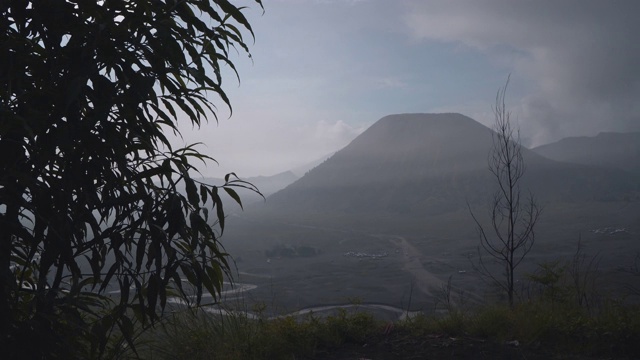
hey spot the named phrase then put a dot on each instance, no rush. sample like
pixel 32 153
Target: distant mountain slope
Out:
pixel 431 163
pixel 301 170
pixel 615 150
pixel 266 184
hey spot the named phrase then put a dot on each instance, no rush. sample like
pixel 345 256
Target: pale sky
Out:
pixel 325 70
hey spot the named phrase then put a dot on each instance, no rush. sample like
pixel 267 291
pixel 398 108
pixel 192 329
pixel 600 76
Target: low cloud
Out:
pixel 388 82
pixel 581 56
pixel 335 135
pixel 266 145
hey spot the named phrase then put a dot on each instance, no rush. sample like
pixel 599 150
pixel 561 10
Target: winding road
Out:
pixel 425 281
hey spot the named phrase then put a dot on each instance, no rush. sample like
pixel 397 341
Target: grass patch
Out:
pixel 539 327
pixel 198 335
pixel 563 316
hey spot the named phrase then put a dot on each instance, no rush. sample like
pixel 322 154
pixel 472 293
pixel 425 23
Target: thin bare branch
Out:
pixel 512 221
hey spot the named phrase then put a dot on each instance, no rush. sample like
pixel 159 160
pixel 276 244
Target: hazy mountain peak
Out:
pixel 399 154
pixel 418 135
pixel 429 117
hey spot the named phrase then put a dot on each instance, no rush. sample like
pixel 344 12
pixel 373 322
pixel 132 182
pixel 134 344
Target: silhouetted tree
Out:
pixel 511 234
pixel 89 198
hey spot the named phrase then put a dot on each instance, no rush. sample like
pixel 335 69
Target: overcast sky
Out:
pixel 325 70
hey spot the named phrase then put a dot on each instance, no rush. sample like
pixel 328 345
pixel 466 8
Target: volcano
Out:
pixel 420 164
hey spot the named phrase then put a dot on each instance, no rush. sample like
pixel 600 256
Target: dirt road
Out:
pixel 425 281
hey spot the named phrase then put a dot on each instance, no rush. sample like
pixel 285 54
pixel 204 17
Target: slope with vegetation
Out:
pixel 557 319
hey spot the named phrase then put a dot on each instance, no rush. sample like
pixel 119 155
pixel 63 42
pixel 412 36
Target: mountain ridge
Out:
pixel 432 163
pixel 608 149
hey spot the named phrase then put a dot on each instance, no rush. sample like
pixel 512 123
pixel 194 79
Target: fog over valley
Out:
pixel 370 135
pixel 389 215
pixel 367 126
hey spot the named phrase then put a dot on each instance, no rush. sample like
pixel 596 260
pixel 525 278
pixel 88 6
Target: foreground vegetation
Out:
pixel 95 196
pixel 552 324
pixel 531 329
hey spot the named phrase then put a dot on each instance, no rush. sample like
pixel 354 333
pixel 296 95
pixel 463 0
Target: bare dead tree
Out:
pixel 511 234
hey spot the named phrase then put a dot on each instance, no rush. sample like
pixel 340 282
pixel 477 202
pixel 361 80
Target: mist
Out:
pixel 387 107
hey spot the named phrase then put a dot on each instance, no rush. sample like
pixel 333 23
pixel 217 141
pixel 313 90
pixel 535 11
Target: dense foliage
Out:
pixel 89 199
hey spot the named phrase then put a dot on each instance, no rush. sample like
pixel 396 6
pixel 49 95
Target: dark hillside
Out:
pixel 607 149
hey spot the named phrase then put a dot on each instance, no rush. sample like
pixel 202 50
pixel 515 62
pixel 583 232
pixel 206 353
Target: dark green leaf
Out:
pixel 234 195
